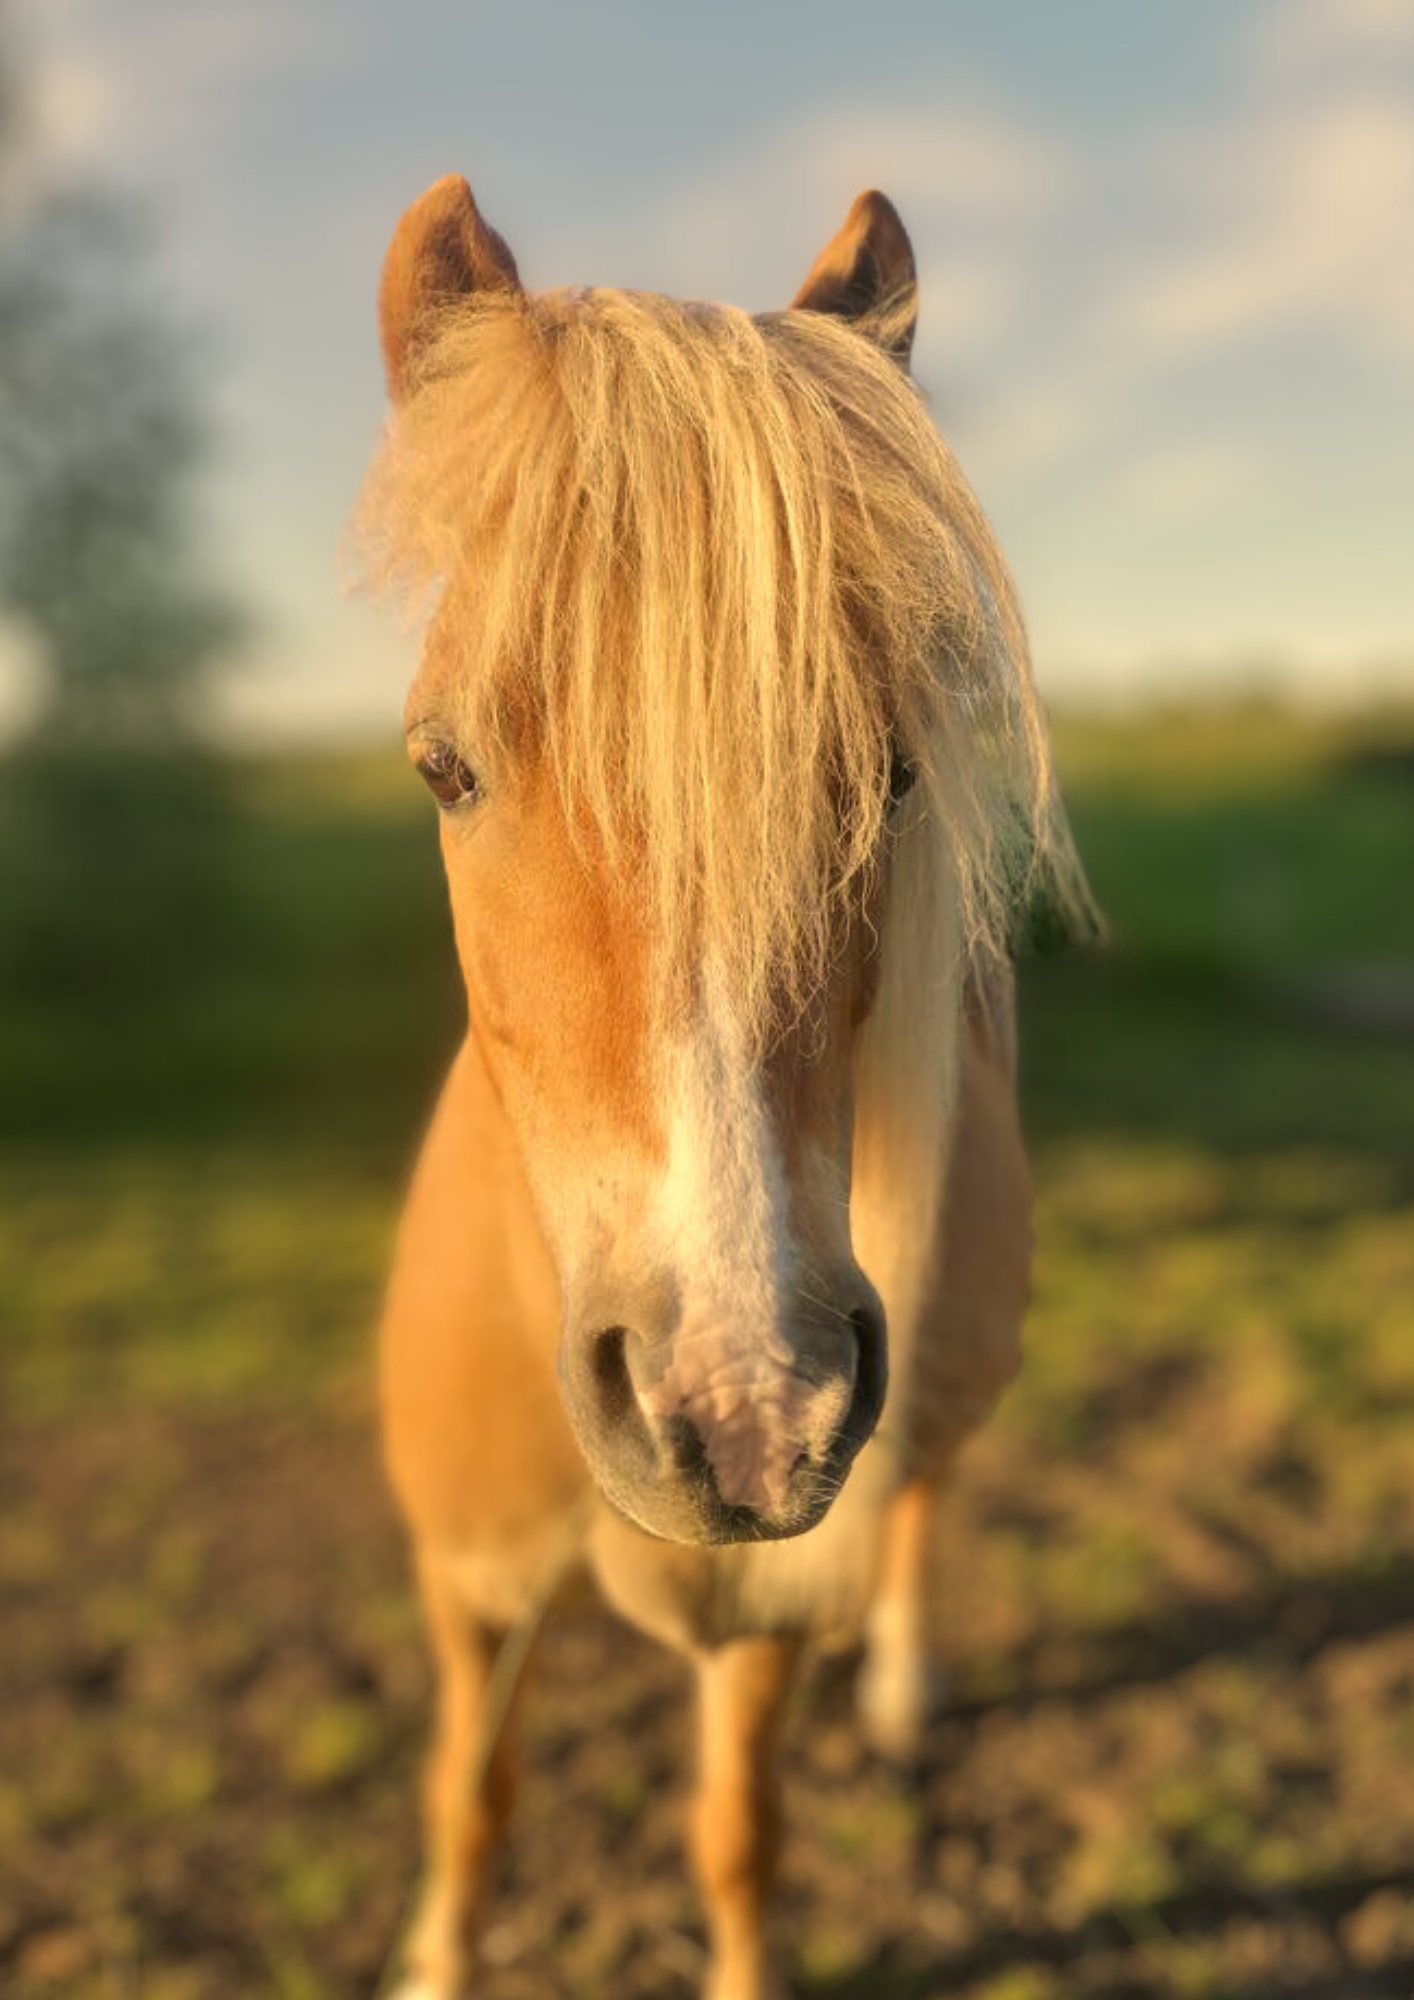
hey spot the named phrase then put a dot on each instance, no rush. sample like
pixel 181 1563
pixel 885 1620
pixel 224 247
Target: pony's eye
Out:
pixel 447 775
pixel 902 774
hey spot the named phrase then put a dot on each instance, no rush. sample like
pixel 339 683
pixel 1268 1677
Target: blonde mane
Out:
pixel 725 570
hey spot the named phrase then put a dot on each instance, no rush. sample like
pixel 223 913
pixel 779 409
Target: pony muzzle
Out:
pixel 702 1437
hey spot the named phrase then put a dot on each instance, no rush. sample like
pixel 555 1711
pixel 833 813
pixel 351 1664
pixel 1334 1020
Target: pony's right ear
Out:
pixel 866 273
pixel 441 251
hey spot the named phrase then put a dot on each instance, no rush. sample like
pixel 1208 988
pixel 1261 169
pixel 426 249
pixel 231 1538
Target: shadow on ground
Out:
pixel 1175 1585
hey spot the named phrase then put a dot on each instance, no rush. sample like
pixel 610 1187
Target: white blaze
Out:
pixel 724 1226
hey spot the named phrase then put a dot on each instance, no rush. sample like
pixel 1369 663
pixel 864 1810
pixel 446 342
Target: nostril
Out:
pixel 871 1371
pixel 608 1370
pixel 868 1329
pixel 596 1370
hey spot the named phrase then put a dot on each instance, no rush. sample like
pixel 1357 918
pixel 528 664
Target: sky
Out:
pixel 1166 257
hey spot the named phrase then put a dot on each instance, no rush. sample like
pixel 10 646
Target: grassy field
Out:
pixel 1177 1582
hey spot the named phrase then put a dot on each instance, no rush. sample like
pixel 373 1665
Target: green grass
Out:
pixel 199 1172
pixel 1203 1474
pixel 202 1147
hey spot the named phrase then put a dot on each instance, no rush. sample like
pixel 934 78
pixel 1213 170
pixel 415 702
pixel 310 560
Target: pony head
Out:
pixel 726 705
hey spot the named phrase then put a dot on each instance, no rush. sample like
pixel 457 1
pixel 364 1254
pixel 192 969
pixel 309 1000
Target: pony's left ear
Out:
pixel 866 273
pixel 442 250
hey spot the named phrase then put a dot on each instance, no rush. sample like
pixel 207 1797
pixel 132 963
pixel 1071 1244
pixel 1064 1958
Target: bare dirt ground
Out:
pixel 1176 1581
pixel 214 1692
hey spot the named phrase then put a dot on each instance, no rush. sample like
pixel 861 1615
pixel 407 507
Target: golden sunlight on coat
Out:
pixel 720 1240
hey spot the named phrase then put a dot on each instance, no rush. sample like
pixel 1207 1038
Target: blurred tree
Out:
pixel 102 438
pixel 114 822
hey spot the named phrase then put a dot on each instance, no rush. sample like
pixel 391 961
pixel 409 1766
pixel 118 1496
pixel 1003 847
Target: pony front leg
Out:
pixel 469 1787
pixel 737 1815
pixel 899 1684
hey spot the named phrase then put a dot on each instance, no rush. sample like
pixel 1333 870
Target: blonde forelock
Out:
pixel 727 571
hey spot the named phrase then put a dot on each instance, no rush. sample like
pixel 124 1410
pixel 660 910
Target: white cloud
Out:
pixel 1094 292
pixel 1305 34
pixel 1062 412
pixel 119 82
pixel 1192 479
pixel 1300 217
pixel 946 158
pixel 75 103
pixel 1284 214
pixel 972 188
pixel 935 159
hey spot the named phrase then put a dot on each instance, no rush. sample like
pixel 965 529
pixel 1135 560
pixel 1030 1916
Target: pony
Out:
pixel 718 1245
